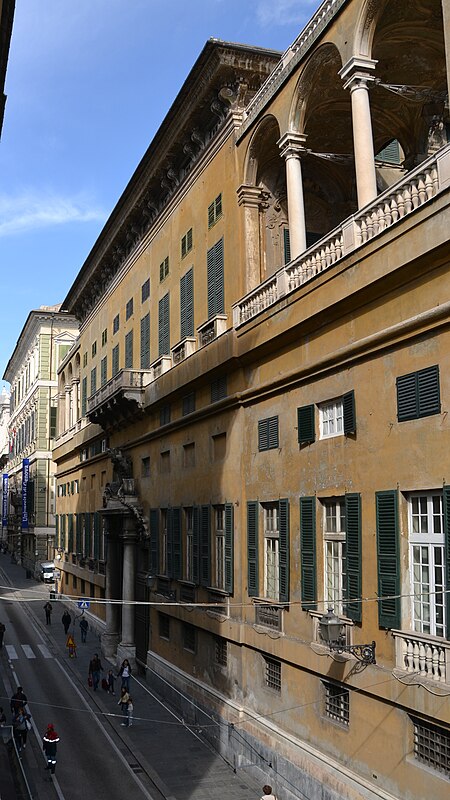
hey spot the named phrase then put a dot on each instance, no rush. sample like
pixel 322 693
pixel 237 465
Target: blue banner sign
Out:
pixel 25 479
pixel 5 500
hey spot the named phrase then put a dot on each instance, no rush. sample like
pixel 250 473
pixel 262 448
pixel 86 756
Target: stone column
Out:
pixel 75 407
pixel 67 409
pixel 111 636
pixel 356 76
pixel 291 146
pixel 127 647
pixel 446 21
pixel 250 197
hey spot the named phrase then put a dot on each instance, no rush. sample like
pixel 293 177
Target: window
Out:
pixel 145 290
pixel 145 467
pixel 331 419
pixel 432 745
pixel 219 446
pixel 215 211
pixel 94 349
pixel 116 323
pixel 268 433
pixel 189 455
pixel 164 326
pixel 189 523
pixel 164 626
pixel 164 269
pixel 219 547
pixel 165 414
pixel 93 380
pixel 129 350
pixel 337 702
pixel 187 304
pixel 334 553
pixel 115 360
pixel 104 370
pixel 164 540
pixel 188 404
pixel 189 637
pixel 164 463
pixel 219 389
pixel 145 342
pixel 221 651
pixel 186 243
pixel 273 674
pixel 336 417
pixel 271 552
pixel 215 279
pixel 418 394
pixel 275 543
pixel 104 337
pixel 427 559
pixel 129 309
pixel 84 359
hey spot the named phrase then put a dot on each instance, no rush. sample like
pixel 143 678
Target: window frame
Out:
pixel 433 543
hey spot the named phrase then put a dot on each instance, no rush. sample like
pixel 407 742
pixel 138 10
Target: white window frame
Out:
pixel 426 554
pixel 334 536
pixel 331 418
pixel 219 536
pixel 271 551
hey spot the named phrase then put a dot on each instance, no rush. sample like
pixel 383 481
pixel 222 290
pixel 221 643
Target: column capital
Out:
pixel 250 195
pixel 292 144
pixel 358 71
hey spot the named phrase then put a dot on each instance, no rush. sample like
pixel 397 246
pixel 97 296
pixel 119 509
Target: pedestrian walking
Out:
pixel 2 633
pixel 66 619
pixel 111 680
pixel 2 718
pixel 95 670
pixel 18 700
pixel 48 608
pixel 84 627
pixel 125 674
pixel 267 793
pixel 123 703
pixel 130 708
pixel 50 746
pixel 21 724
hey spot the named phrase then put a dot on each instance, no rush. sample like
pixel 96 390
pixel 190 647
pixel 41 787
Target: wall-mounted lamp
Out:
pixel 330 627
pixel 151 581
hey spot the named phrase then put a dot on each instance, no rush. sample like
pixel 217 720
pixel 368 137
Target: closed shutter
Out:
pixel 97 533
pixel 187 304
pixel 287 245
pixel 283 545
pixel 219 389
pixel 446 501
pixel 115 360
pixel 78 528
pixel 196 544
pixel 169 569
pixel 348 404
pixel 93 380
pixel 308 552
pixel 252 549
pixel 388 557
pixel 353 551
pixel 229 548
pixel 129 350
pixel 104 370
pixel 215 278
pixel 176 544
pixel 87 534
pixel 390 154
pixel 70 532
pixel 145 342
pixel 57 533
pixel 154 541
pixel 305 424
pixel 163 326
pixel 428 391
pixel 205 539
pixel 268 433
pixel 83 396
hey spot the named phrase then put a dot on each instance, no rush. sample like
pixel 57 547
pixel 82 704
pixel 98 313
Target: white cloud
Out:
pixel 285 12
pixel 32 211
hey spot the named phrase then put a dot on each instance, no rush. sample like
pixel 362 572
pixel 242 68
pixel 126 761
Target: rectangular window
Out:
pixel 129 309
pixel 273 674
pixel 94 349
pixel 189 637
pixel 164 462
pixel 164 269
pixel 219 389
pixel 427 560
pixel 104 337
pixel 165 414
pixel 145 467
pixel 187 304
pixel 84 359
pixel 188 403
pixel 221 651
pixel 331 417
pixel 115 360
pixel 145 342
pixel 219 545
pixel 164 326
pixel 218 446
pixel 189 523
pixel 268 433
pixel 418 394
pixel 116 323
pixel 164 626
pixel 104 370
pixel 215 279
pixel 215 211
pixel 271 551
pixel 334 553
pixel 186 243
pixel 337 702
pixel 145 290
pixel 93 380
pixel 189 455
pixel 129 350
pixel 432 745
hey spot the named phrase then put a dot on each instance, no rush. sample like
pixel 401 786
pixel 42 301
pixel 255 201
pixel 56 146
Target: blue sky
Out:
pixel 88 84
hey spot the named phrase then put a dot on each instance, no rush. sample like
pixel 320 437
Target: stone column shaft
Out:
pixel 291 146
pixel 356 74
pixel 250 198
pixel 128 581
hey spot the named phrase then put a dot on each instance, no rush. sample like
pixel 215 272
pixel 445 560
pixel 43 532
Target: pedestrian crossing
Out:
pixel 28 651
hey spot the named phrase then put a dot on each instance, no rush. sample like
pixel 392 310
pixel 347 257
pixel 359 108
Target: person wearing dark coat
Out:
pixel 18 700
pixel 66 619
pixel 50 746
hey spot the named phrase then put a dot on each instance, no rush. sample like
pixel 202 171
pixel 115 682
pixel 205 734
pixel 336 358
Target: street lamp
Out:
pixel 330 627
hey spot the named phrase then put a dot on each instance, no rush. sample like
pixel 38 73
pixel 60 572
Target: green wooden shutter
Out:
pixel 283 543
pixel 176 544
pixel 215 279
pixel 164 326
pixel 87 534
pixel 78 521
pixel 154 541
pixel 287 245
pixel 196 544
pixel 407 400
pixel 252 548
pixel 83 396
pixel 446 502
pixel 229 548
pixel 211 215
pixel 70 532
pixel 57 532
pixel 129 350
pixel 210 265
pixel 115 360
pixel 428 391
pixel 308 552
pixel 388 559
pixel 145 342
pixel 305 424
pixel 104 370
pixel 97 533
pixel 348 405
pixel 205 546
pixel 169 570
pixel 353 551
pixel 187 304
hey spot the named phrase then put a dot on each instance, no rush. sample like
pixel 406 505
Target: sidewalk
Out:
pixel 180 763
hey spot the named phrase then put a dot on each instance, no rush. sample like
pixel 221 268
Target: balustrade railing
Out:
pixel 427 656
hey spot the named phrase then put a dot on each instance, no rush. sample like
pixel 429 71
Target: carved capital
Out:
pixel 292 144
pixel 250 196
pixel 357 72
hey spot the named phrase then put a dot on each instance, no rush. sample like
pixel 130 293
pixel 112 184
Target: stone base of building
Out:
pixel 110 642
pixel 126 651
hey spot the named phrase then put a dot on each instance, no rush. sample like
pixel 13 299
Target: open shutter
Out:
pixel 87 535
pixel 428 391
pixel 78 528
pixel 353 606
pixel 196 544
pixel 252 548
pixel 407 400
pixel 210 262
pixel 176 543
pixel 305 424
pixel 283 543
pixel 70 532
pixel 219 277
pixel 154 541
pixel 229 548
pixel 145 342
pixel 205 539
pixel 163 326
pixel 308 552
pixel 129 350
pixel 446 500
pixel 348 404
pixel 388 559
pixel 169 571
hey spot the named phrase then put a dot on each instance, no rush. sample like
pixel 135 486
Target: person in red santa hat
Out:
pixel 50 745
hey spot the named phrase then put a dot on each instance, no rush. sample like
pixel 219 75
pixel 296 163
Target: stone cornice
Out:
pixel 36 319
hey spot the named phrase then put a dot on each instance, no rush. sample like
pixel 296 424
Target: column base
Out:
pixel 110 643
pixel 126 651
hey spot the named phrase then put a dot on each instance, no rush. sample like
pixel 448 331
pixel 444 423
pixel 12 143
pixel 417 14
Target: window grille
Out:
pixel 273 674
pixel 221 652
pixel 337 703
pixel 432 746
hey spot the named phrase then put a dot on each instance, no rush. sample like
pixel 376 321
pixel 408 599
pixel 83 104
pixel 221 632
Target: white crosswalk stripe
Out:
pixel 44 651
pixel 28 651
pixel 12 652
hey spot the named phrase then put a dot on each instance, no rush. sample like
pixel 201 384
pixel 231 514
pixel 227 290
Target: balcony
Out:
pixel 183 349
pixel 425 656
pixel 160 366
pixel 269 616
pixel 211 329
pixel 400 200
pixel 120 400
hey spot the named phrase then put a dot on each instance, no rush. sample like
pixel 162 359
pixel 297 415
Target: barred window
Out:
pixel 432 745
pixel 221 652
pixel 273 674
pixel 337 702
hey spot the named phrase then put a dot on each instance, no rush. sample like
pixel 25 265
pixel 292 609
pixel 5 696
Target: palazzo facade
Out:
pixel 261 431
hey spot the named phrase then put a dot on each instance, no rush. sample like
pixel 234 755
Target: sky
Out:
pixel 88 85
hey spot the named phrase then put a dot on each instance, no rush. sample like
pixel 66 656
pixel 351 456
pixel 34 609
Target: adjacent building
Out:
pixel 7 8
pixel 261 431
